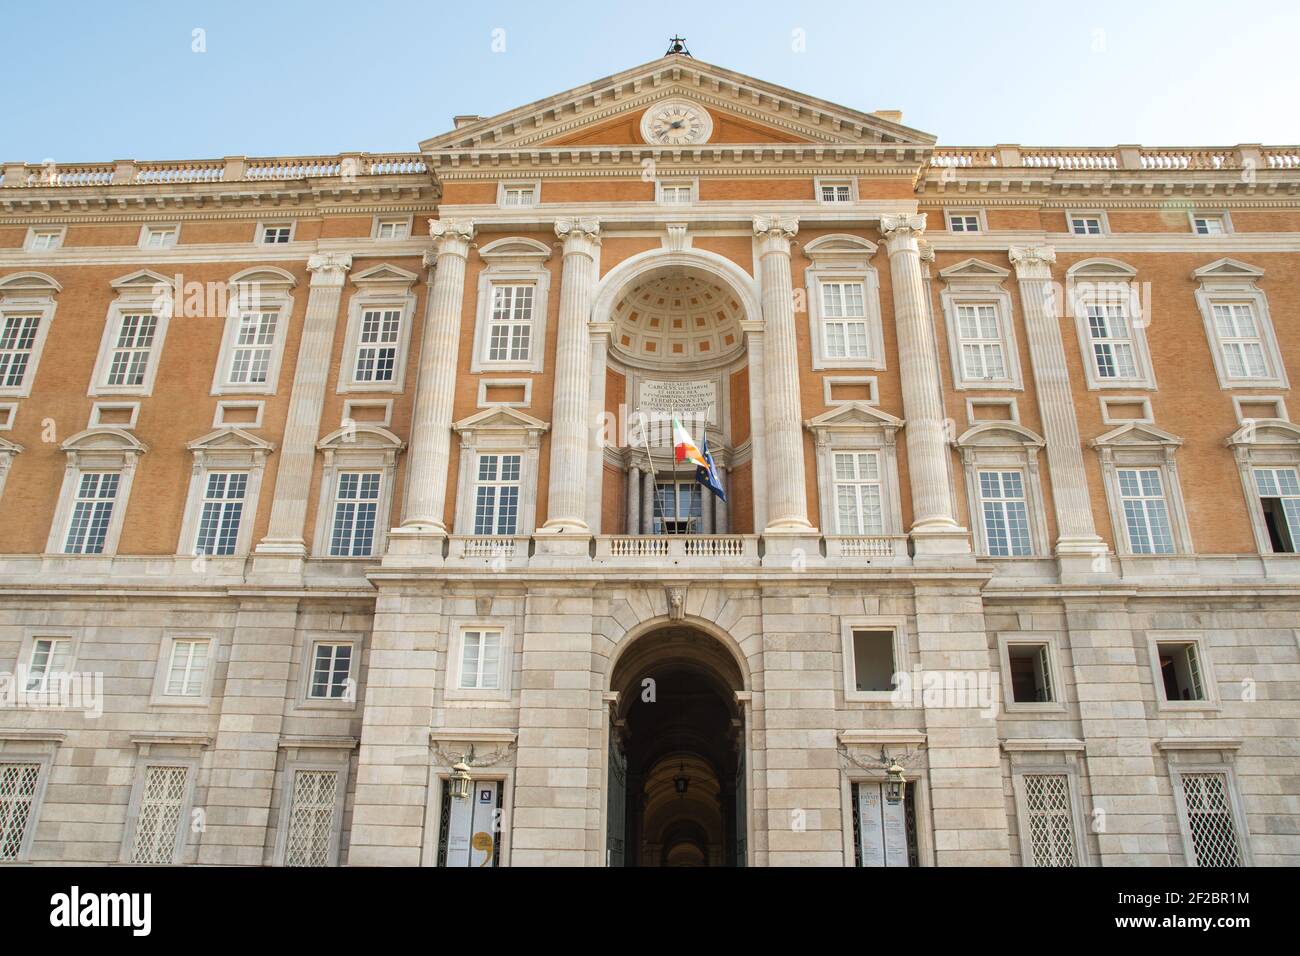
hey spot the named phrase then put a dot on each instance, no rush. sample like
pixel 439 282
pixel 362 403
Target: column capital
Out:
pixel 329 268
pixel 777 230
pixel 902 227
pixel 578 235
pixel 1032 262
pixel 451 236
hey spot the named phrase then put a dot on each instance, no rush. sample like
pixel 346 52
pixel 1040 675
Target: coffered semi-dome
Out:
pixel 677 316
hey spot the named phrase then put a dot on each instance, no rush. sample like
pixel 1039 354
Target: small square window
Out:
pixel 44 240
pixel 1209 225
pixel 1181 677
pixel 159 237
pixel 835 190
pixel 1031 673
pixel 873 660
pixel 392 229
pixel 963 222
pixel 518 195
pixel 676 194
pixel 480 660
pixel 331 672
pixel 274 234
pixel 1086 225
pixel 188 669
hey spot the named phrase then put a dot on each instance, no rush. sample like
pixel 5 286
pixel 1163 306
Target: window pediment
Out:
pixel 852 416
pixel 28 285
pixel 998 435
pixel 143 281
pixel 385 278
pixel 840 251
pixel 501 421
pixel 104 440
pixel 974 269
pixel 1272 432
pixel 1110 269
pixel 1227 268
pixel 515 251
pixel 358 437
pixel 233 442
pixel 265 277
pixel 1136 435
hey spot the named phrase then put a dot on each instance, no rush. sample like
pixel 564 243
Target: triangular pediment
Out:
pixel 385 274
pixel 853 415
pixel 141 280
pixel 1227 269
pixel 500 418
pixel 1136 433
pixel 743 110
pixel 975 269
pixel 230 439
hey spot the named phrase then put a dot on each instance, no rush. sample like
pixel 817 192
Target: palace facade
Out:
pixel 341 522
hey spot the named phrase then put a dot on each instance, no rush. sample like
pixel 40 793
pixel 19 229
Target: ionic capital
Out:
pixel 329 268
pixel 451 236
pixel 902 228
pixel 776 230
pixel 578 235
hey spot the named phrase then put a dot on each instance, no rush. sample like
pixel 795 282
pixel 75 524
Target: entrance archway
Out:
pixel 676 756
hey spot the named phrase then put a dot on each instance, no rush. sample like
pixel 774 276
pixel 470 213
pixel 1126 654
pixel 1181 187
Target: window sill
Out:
pixel 1046 707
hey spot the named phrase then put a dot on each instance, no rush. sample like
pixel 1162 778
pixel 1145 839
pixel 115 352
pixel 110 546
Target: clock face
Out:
pixel 676 123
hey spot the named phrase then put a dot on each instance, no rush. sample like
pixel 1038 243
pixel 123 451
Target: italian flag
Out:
pixel 684 446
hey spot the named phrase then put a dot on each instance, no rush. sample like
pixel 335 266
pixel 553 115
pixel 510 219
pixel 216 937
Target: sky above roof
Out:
pixel 88 81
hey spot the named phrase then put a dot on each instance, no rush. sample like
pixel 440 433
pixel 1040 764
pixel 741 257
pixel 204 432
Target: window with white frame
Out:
pixel 1209 225
pixel 19 780
pixel 255 340
pixel 1209 818
pixel 678 507
pixel 310 834
pixel 496 494
pixel 858 493
pixel 1049 819
pixel 331 671
pixel 187 667
pixel 835 190
pixel 977 311
pixel 133 342
pixel 676 192
pixel 980 339
pixel 222 512
pixel 1240 344
pixel 1238 326
pixel 1110 316
pixel 131 347
pixel 480 659
pixel 1030 667
pixel 356 507
pixel 1181 675
pixel 1004 509
pixel 48 664
pixel 518 195
pixel 844 319
pixel 17 343
pixel 510 323
pixel 92 511
pixel 162 799
pixel 276 233
pixel 1146 513
pixel 1110 335
pixel 874 666
pixel 159 237
pixel 1279 499
pixel 44 239
pixel 27 307
pixel 1084 224
pixel 377 345
pixel 963 222
pixel 392 229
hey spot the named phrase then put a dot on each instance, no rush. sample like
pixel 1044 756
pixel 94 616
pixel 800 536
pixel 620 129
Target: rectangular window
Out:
pixel 331 672
pixel 223 509
pixel 1240 341
pixel 884 833
pixel 1180 670
pixel 1031 673
pixel 1050 820
pixel 980 337
pixel 132 347
pixel 162 801
pixel 1086 225
pixel 678 507
pixel 836 192
pixel 48 663
pixel 1279 496
pixel 510 325
pixel 250 359
pixel 1208 225
pixel 159 237
pixel 356 509
pixel 277 234
pixel 858 494
pixel 188 669
pixel 17 339
pixel 392 229
pixel 1146 515
pixel 377 345
pixel 17 801
pixel 1112 341
pixel 1006 515
pixel 873 660
pixel 518 196
pixel 1210 820
pixel 496 501
pixel 963 222
pixel 91 512
pixel 311 818
pixel 675 193
pixel 45 240
pixel 480 660
pixel 844 322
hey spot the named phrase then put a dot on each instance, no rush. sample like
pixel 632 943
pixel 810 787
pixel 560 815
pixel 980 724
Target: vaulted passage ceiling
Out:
pixel 677 316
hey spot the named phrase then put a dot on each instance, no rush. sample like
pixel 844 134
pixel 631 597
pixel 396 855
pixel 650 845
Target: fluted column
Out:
pixel 633 500
pixel 787 498
pixel 570 428
pixel 435 390
pixel 926 432
pixel 284 535
pixel 1076 533
pixel 647 502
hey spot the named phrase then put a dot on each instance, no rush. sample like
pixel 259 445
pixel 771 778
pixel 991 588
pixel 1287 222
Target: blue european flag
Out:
pixel 708 477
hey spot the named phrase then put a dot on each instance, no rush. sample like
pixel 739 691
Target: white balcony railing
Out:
pixel 866 546
pixel 667 547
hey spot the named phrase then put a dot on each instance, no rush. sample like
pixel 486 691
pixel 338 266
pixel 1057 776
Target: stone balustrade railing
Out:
pixel 1117 157
pixel 228 170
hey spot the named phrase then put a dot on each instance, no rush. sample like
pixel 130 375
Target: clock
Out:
pixel 676 123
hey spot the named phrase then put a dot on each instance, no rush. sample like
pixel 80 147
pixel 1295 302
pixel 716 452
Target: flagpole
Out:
pixel 654 476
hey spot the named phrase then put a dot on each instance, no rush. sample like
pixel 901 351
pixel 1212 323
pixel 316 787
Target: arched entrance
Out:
pixel 676 792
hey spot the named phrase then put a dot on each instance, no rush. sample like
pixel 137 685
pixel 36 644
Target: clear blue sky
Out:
pixel 100 81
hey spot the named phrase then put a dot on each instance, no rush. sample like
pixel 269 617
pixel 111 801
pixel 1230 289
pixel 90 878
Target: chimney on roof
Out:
pixel 459 121
pixel 889 116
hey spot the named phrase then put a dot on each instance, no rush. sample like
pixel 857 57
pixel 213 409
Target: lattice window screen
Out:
pixel 161 804
pixel 1051 823
pixel 1209 818
pixel 17 794
pixel 311 817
